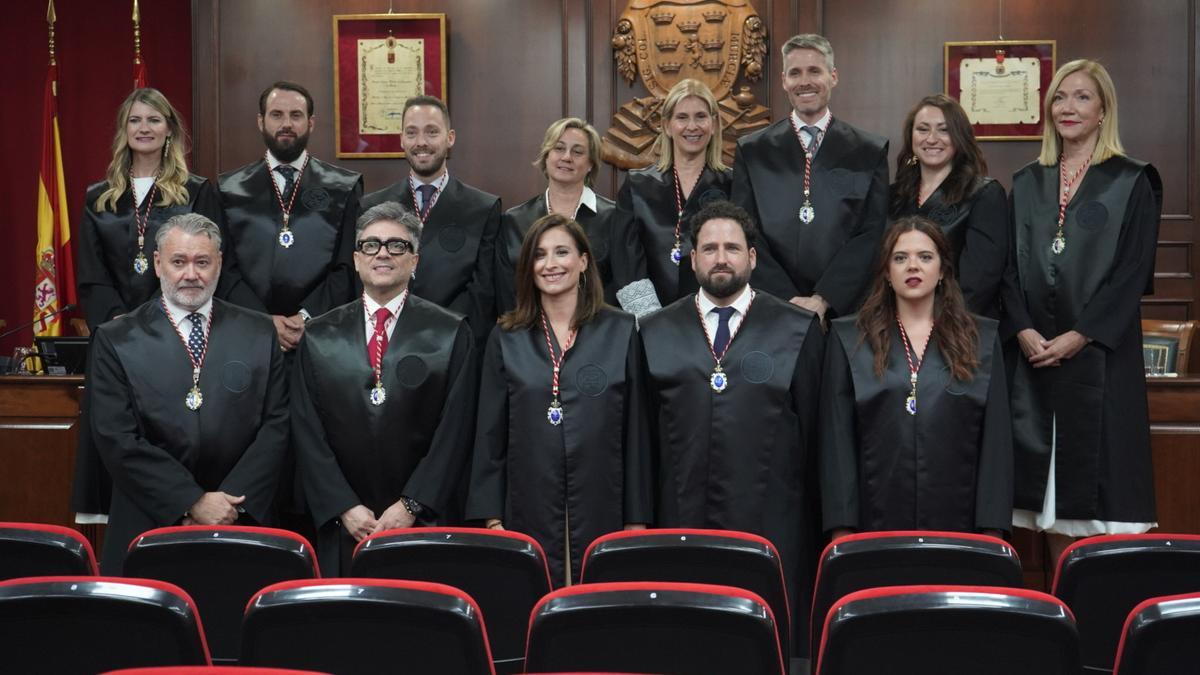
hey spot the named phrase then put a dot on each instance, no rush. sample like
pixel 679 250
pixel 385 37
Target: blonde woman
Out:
pixel 1085 222
pixel 664 197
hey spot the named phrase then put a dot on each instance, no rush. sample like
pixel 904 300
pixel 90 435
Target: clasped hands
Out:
pixel 289 329
pixel 361 522
pixel 214 508
pixel 1043 353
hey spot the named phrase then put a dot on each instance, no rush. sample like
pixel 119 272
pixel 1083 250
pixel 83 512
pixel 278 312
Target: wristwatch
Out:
pixel 413 507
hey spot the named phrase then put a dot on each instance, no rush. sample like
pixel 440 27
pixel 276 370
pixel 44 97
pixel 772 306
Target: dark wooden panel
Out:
pixel 38 420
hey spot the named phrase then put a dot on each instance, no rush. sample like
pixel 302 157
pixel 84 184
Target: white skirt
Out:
pixel 1045 521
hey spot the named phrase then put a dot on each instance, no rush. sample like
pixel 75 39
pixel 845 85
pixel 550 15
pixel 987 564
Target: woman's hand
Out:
pixel 1064 346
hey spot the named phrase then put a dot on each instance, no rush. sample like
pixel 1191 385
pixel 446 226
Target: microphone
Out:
pixel 22 327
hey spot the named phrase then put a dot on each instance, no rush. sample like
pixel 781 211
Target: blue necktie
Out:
pixel 289 177
pixel 195 341
pixel 721 339
pixel 426 191
pixel 814 133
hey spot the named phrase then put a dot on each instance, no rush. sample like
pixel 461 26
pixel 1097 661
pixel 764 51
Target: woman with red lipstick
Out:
pixel 562 445
pixel 570 159
pixel 689 174
pixel 915 431
pixel 941 175
pixel 1085 229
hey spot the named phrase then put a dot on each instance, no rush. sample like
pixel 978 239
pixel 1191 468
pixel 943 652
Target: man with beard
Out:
pixel 383 397
pixel 189 399
pixel 459 222
pixel 817 186
pixel 733 379
pixel 291 218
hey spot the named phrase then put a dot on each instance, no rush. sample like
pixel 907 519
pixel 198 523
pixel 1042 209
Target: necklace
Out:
pixel 194 398
pixel 378 393
pixel 140 262
pixel 574 216
pixel 554 414
pixel 719 380
pixel 910 403
pixel 1059 244
pixel 286 236
pixel 807 212
pixel 677 249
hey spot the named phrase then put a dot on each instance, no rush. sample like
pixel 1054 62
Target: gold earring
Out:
pixel 167 146
pixel 912 161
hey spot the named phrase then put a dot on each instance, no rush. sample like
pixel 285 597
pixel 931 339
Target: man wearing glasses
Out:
pixel 382 397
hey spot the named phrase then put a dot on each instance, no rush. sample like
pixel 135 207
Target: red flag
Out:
pixel 54 287
pixel 140 79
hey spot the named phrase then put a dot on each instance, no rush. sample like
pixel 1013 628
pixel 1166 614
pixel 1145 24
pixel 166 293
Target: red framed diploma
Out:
pixel 379 61
pixel 1001 85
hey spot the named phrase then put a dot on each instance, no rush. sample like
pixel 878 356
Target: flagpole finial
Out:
pixel 137 34
pixel 50 19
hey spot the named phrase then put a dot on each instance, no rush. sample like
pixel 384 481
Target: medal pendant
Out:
pixel 194 399
pixel 910 405
pixel 676 255
pixel 1059 244
pixel 378 395
pixel 286 238
pixel 140 264
pixel 807 213
pixel 718 380
pixel 554 414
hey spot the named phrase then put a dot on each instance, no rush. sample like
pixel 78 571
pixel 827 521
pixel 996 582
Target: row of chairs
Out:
pixel 514 575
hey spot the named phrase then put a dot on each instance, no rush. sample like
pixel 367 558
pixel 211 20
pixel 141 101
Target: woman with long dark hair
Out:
pixel 664 197
pixel 915 428
pixel 1085 230
pixel 562 446
pixel 941 175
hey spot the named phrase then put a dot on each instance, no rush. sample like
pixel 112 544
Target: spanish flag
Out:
pixel 54 287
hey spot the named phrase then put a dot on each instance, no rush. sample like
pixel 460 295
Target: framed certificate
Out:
pixel 379 61
pixel 1001 85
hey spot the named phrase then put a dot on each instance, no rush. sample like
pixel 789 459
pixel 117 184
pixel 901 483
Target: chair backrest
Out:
pixel 982 630
pixel 221 567
pixel 1166 346
pixel 1103 578
pixel 504 572
pixel 39 550
pixel 352 626
pixel 67 625
pixel 722 557
pixel 655 627
pixel 901 558
pixel 1160 637
pixel 210 670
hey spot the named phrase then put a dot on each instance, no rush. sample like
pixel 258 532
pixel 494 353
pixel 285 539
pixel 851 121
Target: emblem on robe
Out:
pixel 665 41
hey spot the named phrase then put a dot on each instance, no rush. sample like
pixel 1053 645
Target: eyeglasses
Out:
pixel 394 246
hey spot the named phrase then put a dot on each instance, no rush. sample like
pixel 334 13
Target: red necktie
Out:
pixel 379 340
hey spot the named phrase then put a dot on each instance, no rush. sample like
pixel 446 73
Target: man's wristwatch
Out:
pixel 413 507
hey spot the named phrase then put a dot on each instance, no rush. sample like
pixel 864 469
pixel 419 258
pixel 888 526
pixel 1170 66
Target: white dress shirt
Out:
pixel 822 124
pixel 586 198
pixel 708 310
pixel 179 316
pixel 279 181
pixel 438 183
pixel 395 306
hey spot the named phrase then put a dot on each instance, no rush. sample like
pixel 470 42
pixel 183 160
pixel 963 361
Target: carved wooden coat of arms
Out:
pixel 665 41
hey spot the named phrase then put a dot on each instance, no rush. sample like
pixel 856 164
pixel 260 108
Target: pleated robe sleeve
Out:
pixel 339 284
pixel 838 441
pixel 994 474
pixel 985 248
pixel 488 485
pixel 639 475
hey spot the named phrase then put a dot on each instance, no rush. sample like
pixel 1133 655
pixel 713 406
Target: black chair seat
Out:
pixel 40 550
pixel 1160 637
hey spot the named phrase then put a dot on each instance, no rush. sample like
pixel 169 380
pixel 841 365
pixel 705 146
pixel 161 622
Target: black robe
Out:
pixel 108 287
pixel 615 247
pixel 458 250
pixel 834 256
pixel 743 459
pixel 590 475
pixel 949 467
pixel 163 456
pixel 977 228
pixel 649 194
pixel 351 452
pixel 317 273
pixel 1103 469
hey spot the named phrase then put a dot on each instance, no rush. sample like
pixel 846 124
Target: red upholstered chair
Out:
pixel 654 627
pixel 1160 637
pixel 724 557
pixel 210 670
pixel 38 550
pixel 504 572
pixel 907 557
pixel 1103 578
pixel 221 567
pixel 981 630
pixel 368 626
pixel 67 625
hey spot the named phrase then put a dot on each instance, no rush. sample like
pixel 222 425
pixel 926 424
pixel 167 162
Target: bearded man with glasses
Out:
pixel 383 398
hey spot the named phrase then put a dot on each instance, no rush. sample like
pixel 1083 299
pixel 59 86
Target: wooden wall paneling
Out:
pixel 206 88
pixel 38 428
